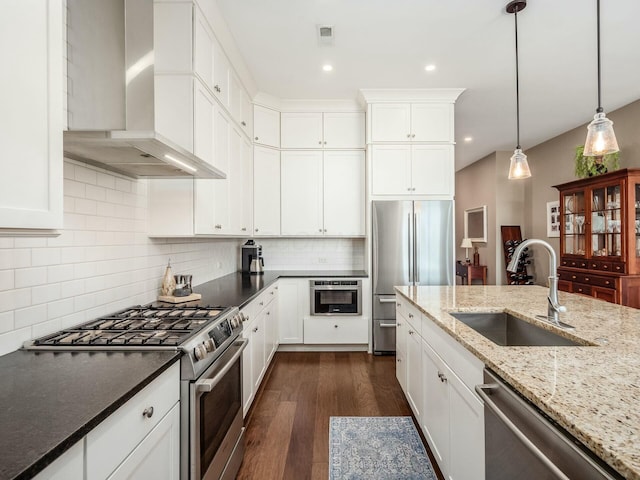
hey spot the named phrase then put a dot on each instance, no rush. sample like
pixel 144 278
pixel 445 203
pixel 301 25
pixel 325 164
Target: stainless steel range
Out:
pixel 211 373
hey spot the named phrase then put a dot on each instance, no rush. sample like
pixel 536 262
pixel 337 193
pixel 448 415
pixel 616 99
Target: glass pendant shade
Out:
pixel 519 167
pixel 600 137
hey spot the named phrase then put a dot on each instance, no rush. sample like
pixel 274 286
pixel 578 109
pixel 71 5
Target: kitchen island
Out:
pixel 592 391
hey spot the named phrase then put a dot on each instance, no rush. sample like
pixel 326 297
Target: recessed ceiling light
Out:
pixel 468 139
pixel 327 67
pixel 430 68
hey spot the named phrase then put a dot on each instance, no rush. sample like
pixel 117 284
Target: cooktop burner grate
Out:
pixel 137 326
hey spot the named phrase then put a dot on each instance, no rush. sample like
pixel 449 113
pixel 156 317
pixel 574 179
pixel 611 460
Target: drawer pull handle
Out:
pixel 261 303
pixel 398 324
pixel 147 412
pixel 268 313
pixel 410 332
pixel 255 329
pixel 442 377
pixel 586 279
pixel 573 277
pixel 411 315
pixel 335 326
pixel 272 292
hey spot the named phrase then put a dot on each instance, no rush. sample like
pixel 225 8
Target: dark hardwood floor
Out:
pixel 287 433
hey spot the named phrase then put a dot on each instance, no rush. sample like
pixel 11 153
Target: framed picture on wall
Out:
pixel 553 219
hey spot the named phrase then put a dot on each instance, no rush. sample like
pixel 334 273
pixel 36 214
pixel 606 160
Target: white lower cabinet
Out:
pixel 132 427
pixel 437 375
pixel 335 330
pixel 293 302
pixel 69 466
pixel 261 329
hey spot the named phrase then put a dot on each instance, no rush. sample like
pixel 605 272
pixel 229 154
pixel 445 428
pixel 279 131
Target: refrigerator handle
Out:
pixel 416 256
pixel 409 251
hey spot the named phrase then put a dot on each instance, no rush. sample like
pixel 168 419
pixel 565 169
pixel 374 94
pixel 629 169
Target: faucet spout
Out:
pixel 553 307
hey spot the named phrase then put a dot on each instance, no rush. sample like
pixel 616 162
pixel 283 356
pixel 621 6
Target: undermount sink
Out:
pixel 504 329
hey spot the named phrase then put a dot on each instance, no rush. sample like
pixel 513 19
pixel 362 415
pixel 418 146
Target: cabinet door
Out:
pixel 401 350
pixel 173 101
pixel 391 122
pixel 204 117
pixel 271 331
pixel 246 120
pixel 432 122
pixel 221 214
pixel 343 130
pixel 432 170
pixel 31 93
pixel 435 420
pixel 235 182
pixel 293 305
pixel 466 432
pixel 391 169
pixel 301 188
pixel 257 345
pixel 247 379
pixel 266 126
pixel 235 97
pixel 414 372
pixel 158 455
pixel 246 190
pixel 266 191
pixel 301 130
pixel 203 49
pixel 220 74
pixel 343 199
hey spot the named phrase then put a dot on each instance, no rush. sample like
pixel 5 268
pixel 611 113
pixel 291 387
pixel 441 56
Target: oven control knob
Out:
pixel 200 351
pixel 209 345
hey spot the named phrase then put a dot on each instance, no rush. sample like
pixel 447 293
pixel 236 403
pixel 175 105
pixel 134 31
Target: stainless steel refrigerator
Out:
pixel 412 245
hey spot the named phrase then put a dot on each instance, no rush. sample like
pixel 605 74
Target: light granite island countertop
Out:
pixel 591 391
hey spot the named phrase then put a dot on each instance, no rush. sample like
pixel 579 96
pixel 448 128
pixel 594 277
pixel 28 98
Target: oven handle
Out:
pixel 208 384
pixel 480 389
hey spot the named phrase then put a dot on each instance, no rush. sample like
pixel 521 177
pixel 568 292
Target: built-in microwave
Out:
pixel 336 297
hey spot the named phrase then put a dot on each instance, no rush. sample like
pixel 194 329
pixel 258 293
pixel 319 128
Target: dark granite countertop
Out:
pixel 238 289
pixel 50 400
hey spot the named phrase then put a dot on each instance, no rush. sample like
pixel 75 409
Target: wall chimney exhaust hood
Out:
pixel 114 119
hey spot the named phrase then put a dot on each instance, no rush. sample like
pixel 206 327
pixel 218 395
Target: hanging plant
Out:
pixel 591 166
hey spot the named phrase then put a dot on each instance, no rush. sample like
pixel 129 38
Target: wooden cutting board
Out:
pixel 171 299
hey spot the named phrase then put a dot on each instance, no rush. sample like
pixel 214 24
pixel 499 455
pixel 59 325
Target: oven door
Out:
pixel 216 438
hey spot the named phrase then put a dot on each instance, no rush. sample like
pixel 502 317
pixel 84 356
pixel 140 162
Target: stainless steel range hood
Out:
pixel 113 115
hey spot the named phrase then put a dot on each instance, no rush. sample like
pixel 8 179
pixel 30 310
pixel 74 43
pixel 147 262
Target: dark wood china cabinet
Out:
pixel 600 237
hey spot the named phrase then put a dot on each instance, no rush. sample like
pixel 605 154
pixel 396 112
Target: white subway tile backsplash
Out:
pixel 72 254
pixel 72 288
pixel 14 299
pixel 74 189
pixel 96 223
pixel 106 180
pixel 29 242
pixel 45 293
pixel 60 273
pixel 86 175
pixel 7 280
pixel 45 256
pixel 69 171
pixel 14 339
pixel 26 317
pixel 60 308
pixel 85 207
pixel 114 196
pixel 96 193
pixel 6 322
pixel 123 185
pixel 73 221
pixel 29 277
pixel 7 242
pixel 105 209
pixel 44 328
pixel 84 302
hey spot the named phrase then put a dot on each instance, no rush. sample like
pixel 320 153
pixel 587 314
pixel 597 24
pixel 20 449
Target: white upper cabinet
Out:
pixel 322 130
pixel 246 119
pixel 203 50
pixel 266 191
pixel 343 193
pixel 31 93
pixel 266 126
pixel 221 71
pixel 417 122
pixel 204 110
pixel 343 130
pixel 246 188
pixel 301 193
pixel 301 130
pixel 413 170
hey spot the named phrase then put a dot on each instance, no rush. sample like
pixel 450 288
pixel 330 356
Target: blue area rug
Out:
pixel 381 448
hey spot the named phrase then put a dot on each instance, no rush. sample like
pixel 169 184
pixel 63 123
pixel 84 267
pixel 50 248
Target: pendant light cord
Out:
pixel 599 109
pixel 515 16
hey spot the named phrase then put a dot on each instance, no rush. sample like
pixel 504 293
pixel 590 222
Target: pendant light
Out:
pixel 600 137
pixel 519 168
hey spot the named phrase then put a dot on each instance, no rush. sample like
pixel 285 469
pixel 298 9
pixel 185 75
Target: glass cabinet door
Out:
pixel 606 228
pixel 574 224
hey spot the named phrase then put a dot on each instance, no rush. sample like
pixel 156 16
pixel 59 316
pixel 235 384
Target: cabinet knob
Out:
pixel 408 135
pixel 261 303
pixel 218 226
pixel 411 315
pixel 272 292
pixel 325 230
pixel 606 282
pixel 573 277
pixel 243 123
pixel 398 304
pixel 256 139
pixel 255 329
pixel 325 143
pixel 408 189
pixel 320 143
pixel 217 88
pixel 413 135
pixel 398 324
pixel 256 229
pixel 268 313
pixel 335 326
pixel 320 230
pixel 586 279
pixel 147 412
pixel 410 332
pixel 244 229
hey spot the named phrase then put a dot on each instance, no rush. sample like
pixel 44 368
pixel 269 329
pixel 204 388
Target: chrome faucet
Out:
pixel 553 307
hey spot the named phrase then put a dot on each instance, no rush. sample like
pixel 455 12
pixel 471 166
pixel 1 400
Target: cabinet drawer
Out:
pixel 618 267
pixel 602 281
pixel 335 330
pixel 410 313
pixel 606 294
pixel 112 441
pixel 581 288
pixel 600 265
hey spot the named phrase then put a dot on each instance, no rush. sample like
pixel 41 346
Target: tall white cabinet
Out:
pixel 410 139
pixel 31 94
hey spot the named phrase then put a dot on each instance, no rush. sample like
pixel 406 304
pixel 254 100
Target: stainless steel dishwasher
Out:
pixel 521 442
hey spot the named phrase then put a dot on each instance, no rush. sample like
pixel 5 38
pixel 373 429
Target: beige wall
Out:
pixel 524 202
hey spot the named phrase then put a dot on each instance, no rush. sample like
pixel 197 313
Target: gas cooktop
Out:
pixel 137 327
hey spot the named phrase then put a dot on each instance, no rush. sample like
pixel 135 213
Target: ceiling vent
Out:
pixel 325 35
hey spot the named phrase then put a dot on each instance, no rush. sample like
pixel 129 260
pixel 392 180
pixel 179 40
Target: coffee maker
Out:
pixel 251 251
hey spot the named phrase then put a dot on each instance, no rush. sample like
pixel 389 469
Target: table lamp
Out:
pixel 466 244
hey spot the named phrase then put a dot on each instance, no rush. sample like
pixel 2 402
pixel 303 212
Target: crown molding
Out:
pixel 413 95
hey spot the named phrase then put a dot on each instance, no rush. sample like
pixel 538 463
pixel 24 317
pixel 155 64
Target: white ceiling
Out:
pixel 387 43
